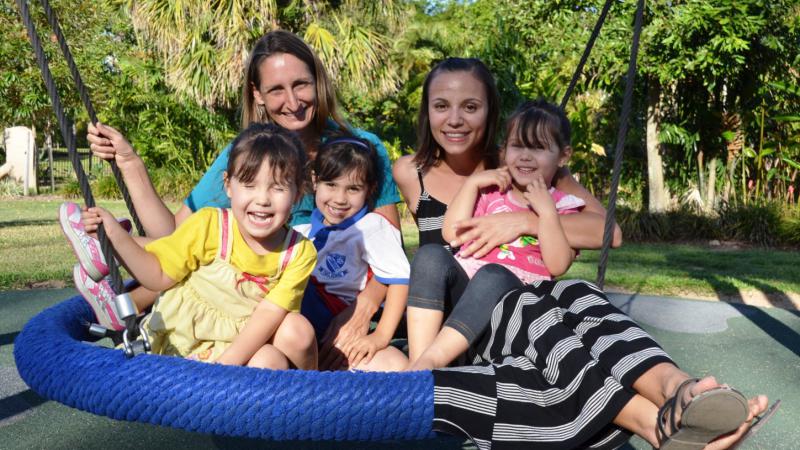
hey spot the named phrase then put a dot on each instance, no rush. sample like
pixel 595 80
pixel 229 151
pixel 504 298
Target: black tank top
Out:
pixel 429 217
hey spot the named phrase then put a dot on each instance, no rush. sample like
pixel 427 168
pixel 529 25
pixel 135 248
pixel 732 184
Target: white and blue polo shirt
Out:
pixel 349 251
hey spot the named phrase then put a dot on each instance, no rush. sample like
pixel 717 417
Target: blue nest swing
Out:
pixel 55 360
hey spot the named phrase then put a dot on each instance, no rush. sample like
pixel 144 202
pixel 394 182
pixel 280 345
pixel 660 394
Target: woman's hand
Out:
pixel 487 232
pixel 108 143
pixel 364 348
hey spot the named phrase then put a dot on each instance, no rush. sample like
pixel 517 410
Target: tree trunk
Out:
pixel 711 190
pixel 658 197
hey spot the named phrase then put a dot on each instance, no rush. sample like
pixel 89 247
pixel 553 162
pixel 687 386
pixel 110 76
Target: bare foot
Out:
pixel 757 407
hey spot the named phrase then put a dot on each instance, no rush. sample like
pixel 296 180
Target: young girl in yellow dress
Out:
pixel 233 279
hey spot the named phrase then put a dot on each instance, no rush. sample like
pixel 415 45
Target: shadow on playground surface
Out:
pixel 757 350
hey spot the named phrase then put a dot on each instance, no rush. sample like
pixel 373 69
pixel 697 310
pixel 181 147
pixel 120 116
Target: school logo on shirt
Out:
pixel 334 266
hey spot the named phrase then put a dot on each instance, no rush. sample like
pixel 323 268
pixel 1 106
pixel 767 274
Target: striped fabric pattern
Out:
pixel 429 217
pixel 552 371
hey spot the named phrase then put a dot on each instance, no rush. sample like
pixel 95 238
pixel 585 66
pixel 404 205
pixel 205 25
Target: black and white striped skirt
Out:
pixel 555 367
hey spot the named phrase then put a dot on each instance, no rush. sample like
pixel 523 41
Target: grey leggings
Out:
pixel 438 282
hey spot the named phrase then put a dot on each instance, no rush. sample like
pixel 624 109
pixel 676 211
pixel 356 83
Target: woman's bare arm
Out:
pixel 108 143
pixel 583 230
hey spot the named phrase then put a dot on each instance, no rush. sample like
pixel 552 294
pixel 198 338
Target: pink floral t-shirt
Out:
pixel 523 257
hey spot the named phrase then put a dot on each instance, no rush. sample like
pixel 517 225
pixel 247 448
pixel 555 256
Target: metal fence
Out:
pixel 56 170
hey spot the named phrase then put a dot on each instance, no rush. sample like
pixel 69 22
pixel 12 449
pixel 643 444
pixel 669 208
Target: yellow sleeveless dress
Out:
pixel 200 316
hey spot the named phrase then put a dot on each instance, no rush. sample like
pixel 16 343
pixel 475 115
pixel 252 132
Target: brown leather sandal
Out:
pixel 706 416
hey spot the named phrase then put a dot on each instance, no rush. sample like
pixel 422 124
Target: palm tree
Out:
pixel 204 45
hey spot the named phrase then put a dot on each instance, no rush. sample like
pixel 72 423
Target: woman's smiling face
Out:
pixel 288 91
pixel 457 111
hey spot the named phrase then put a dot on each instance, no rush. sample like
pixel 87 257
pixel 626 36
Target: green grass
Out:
pixel 33 252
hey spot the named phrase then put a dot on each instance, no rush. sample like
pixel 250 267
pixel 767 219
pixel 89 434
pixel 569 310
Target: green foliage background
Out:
pixel 725 74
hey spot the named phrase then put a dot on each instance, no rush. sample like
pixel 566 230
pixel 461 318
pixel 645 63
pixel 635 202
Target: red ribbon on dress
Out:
pixel 261 282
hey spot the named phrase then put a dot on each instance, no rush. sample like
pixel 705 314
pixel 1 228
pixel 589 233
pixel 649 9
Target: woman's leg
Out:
pixel 627 352
pixel 621 347
pixel 436 279
pixel 537 383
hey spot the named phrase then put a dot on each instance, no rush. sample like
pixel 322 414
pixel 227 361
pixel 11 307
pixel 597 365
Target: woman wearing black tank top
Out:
pixel 457 128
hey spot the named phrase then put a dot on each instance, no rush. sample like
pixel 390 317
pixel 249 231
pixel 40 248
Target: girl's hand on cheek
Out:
pixel 539 198
pixel 496 177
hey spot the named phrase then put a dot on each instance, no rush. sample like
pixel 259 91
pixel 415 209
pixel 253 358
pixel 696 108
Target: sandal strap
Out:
pixel 670 407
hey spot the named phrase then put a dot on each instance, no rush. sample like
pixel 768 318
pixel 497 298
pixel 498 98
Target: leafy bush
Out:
pixel 170 183
pixel 173 184
pixel 767 224
pixel 69 189
pixel 10 188
pixel 789 229
pixel 678 225
pixel 751 223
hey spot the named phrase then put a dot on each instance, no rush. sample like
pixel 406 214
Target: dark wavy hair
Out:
pixel 539 124
pixel 428 151
pixel 264 141
pixel 343 154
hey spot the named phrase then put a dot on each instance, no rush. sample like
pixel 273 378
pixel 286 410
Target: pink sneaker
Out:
pixel 100 297
pixel 86 248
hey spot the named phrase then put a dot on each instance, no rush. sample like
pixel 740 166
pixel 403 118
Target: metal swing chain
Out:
pixel 132 327
pixel 623 131
pixel 82 92
pixel 69 139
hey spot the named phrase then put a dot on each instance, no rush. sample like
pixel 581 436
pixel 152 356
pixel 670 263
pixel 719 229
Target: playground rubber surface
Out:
pixel 756 350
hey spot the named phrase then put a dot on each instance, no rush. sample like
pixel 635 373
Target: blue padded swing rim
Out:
pixel 53 360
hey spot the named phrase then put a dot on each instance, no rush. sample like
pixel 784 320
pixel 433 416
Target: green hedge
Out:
pixel 768 224
pixel 171 184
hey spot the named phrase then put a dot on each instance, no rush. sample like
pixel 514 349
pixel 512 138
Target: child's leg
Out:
pixel 269 357
pixel 446 347
pixel 470 317
pixel 294 338
pixel 389 359
pixel 142 297
pixel 435 277
pixel 101 297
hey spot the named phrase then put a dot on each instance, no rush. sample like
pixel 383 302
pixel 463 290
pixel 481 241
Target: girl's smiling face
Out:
pixel 262 206
pixel 340 198
pixel 525 162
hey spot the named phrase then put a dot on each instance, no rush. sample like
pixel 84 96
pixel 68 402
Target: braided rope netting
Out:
pixel 210 398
